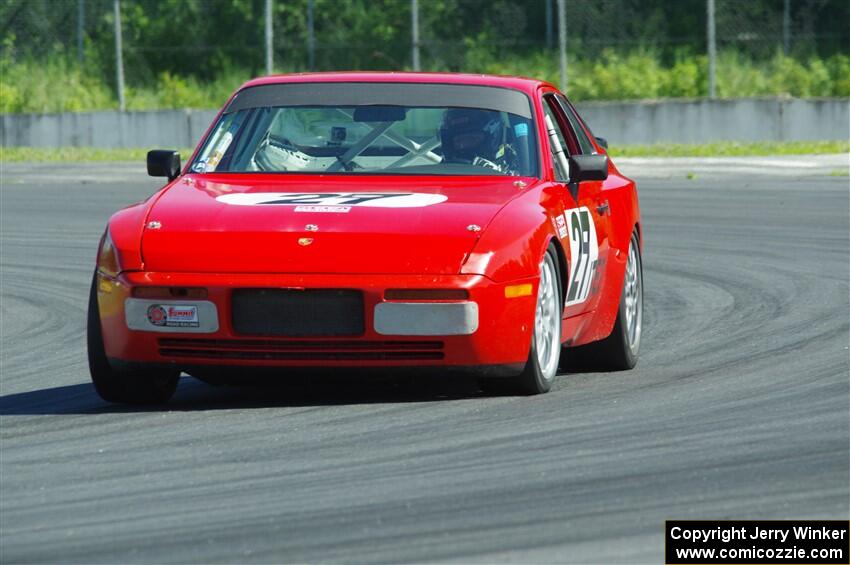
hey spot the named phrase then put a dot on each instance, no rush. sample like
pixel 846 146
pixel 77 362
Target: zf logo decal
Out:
pixel 365 199
pixel 584 254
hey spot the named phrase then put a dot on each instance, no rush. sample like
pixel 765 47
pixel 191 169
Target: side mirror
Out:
pixel 602 141
pixel 588 167
pixel 164 163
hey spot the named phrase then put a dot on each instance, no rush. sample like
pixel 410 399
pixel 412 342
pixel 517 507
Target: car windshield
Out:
pixel 382 138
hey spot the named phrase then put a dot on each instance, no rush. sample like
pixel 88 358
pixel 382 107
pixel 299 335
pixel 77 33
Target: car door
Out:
pixel 584 212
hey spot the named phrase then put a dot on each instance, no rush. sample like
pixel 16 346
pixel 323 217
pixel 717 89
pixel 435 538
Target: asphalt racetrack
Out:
pixel 739 407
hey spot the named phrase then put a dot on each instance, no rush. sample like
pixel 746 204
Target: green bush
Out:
pixel 54 85
pixel 60 84
pixel 838 67
pixel 172 91
pixel 687 77
pixel 615 76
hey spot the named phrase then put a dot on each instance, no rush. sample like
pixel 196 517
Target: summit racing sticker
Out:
pixel 333 201
pixel 173 316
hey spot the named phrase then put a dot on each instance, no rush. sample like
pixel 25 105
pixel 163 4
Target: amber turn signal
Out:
pixel 517 290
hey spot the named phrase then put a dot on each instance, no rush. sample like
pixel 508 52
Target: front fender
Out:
pixel 126 228
pixel 515 239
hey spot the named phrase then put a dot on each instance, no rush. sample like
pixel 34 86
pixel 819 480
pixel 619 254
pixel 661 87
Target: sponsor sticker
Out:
pixel 324 209
pixel 173 315
pixel 562 226
pixel 334 199
pixel 521 130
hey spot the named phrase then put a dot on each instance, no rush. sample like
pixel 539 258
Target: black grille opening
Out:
pixel 299 345
pixel 298 313
pixel 302 350
pixel 305 355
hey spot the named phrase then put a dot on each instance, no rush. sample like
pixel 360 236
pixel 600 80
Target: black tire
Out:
pixel 124 387
pixel 619 351
pixel 535 377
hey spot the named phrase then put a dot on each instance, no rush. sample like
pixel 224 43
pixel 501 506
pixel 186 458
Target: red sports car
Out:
pixel 374 220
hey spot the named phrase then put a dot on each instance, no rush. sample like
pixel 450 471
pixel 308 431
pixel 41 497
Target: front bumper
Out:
pixel 487 330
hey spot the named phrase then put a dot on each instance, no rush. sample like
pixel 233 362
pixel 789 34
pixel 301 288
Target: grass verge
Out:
pixel 731 149
pixel 719 149
pixel 77 154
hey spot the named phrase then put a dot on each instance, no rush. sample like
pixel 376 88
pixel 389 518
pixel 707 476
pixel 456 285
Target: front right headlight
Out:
pixel 107 257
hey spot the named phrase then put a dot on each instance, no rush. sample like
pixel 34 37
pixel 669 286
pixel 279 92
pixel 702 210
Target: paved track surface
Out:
pixel 739 408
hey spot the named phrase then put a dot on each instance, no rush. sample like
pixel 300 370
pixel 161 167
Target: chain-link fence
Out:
pixel 210 39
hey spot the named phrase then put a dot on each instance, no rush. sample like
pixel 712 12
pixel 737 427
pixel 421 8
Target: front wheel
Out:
pixel 542 364
pixel 125 387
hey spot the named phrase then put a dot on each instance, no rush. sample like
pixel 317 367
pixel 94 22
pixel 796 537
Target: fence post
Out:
pixel 269 37
pixel 119 58
pixel 712 52
pixel 81 19
pixel 414 24
pixel 562 42
pixel 311 38
pixel 786 27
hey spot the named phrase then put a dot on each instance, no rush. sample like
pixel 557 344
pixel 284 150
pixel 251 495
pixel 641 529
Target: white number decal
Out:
pixel 363 199
pixel 584 253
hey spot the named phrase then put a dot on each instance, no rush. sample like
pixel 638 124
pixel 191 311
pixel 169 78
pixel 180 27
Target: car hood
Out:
pixel 260 223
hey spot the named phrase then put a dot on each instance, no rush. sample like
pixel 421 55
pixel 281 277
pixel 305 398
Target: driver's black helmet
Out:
pixel 467 133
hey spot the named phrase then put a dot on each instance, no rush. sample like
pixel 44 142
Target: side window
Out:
pixel 557 144
pixel 581 136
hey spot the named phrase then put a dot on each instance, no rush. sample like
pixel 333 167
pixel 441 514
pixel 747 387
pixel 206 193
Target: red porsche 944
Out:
pixel 369 220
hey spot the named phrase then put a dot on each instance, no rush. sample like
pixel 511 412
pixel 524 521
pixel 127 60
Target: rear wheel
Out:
pixel 619 351
pixel 127 387
pixel 542 364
